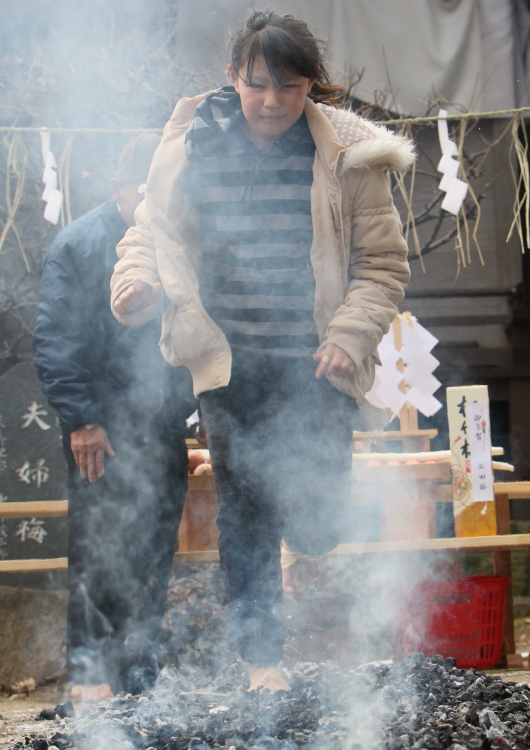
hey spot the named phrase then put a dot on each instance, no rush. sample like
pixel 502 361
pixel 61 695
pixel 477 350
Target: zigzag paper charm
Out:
pixel 52 196
pixel 405 375
pixel 455 190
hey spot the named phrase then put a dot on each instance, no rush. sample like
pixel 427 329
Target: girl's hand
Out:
pixel 333 361
pixel 139 294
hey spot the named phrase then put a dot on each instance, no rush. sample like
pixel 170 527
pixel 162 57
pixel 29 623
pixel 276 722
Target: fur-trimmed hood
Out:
pixel 369 145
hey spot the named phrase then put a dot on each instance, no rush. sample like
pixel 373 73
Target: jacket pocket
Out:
pixel 167 337
pixel 167 323
pixel 188 334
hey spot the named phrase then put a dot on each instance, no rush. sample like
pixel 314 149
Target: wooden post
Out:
pixel 408 416
pixel 502 566
pixel 197 530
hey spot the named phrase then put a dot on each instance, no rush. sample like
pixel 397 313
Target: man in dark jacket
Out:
pixel 122 412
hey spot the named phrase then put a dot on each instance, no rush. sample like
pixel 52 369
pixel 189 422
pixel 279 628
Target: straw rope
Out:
pixel 461 116
pixel 400 121
pixel 16 129
pixel 464 237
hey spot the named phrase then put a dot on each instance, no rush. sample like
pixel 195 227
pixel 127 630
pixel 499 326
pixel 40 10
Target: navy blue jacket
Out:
pixel 92 368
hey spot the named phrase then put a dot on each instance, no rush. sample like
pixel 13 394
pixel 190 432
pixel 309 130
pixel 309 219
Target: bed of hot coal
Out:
pixel 417 703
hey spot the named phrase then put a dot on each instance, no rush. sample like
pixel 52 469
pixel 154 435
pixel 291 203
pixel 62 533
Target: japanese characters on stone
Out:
pixel 32 466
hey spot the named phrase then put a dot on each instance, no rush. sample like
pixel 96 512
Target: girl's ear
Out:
pixel 233 77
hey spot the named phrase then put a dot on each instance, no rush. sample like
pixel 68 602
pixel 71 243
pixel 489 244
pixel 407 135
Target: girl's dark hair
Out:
pixel 287 46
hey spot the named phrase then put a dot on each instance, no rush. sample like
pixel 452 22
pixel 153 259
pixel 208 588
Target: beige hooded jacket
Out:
pixel 358 255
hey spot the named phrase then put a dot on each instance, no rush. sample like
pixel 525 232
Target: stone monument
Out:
pixel 32 466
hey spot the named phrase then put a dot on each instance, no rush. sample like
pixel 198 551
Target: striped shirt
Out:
pixel 256 279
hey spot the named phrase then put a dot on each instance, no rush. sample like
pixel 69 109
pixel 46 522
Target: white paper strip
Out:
pixel 389 357
pixel 479 437
pixel 426 336
pixel 392 377
pixel 422 359
pixel 417 376
pixel 53 206
pixel 455 196
pixel 392 398
pixel 424 402
pixel 455 189
pixel 52 196
pixel 443 131
pixel 422 379
pixel 45 144
pixel 451 174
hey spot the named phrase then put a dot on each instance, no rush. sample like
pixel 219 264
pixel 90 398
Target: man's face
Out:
pixel 269 109
pixel 127 198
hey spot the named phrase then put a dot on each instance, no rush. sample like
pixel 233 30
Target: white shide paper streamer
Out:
pixel 455 190
pixel 479 436
pixel 419 363
pixel 52 197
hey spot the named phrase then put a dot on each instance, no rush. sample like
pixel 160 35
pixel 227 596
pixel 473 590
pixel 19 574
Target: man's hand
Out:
pixel 139 294
pixel 89 448
pixel 333 361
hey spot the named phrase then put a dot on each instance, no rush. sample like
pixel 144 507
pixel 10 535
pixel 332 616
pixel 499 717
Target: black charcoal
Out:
pixel 417 704
pixel 64 710
pixel 47 714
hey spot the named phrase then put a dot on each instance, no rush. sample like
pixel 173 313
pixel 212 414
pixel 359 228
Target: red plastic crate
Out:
pixel 463 619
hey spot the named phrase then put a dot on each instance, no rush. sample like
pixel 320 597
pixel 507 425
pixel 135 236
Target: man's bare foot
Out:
pixel 299 572
pixel 273 678
pixel 91 693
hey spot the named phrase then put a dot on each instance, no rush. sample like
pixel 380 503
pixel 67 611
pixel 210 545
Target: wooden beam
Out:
pixel 440 472
pixel 61 563
pixel 207 555
pixel 394 434
pixel 477 544
pixel 33 566
pixel 39 509
pixel 514 490
pixel 462 544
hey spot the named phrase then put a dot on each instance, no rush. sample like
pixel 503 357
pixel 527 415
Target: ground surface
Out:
pixel 18 718
pixel 345 620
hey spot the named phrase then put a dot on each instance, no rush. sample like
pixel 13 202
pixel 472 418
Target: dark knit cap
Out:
pixel 136 158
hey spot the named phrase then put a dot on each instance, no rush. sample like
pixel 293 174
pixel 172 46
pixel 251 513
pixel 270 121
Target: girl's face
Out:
pixel 270 109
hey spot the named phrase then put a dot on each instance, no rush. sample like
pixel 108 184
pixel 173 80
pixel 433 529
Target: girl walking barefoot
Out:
pixel 269 224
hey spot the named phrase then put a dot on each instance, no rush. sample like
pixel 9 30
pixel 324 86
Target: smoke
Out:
pixel 123 65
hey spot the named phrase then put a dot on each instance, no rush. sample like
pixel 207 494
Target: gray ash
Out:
pixel 417 703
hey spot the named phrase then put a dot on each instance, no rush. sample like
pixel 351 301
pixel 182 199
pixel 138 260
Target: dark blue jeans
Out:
pixel 280 444
pixel 122 536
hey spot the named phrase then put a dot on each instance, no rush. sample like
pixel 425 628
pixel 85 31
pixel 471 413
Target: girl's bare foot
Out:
pixel 299 571
pixel 91 693
pixel 273 678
